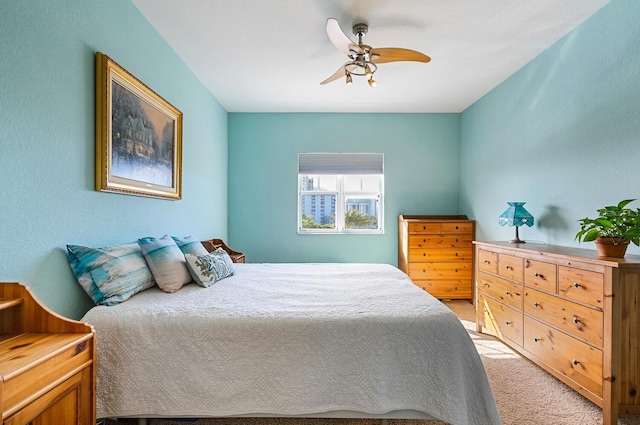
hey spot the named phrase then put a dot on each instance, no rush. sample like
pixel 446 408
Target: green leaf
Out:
pixel 591 235
pixel 603 222
pixel 624 203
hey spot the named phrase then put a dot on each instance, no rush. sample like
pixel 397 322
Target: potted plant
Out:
pixel 612 230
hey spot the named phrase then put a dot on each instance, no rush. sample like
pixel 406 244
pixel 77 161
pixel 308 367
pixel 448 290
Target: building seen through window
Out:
pixel 342 198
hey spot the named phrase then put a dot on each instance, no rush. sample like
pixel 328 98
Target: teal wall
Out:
pixel 562 134
pixel 47 196
pixel 421 153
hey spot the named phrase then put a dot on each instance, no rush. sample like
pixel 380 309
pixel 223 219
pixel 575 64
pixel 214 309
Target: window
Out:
pixel 340 193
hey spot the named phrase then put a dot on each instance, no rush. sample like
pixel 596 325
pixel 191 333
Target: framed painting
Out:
pixel 138 136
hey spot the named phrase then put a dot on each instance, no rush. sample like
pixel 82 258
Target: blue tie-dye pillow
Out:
pixel 112 274
pixel 190 245
pixel 209 268
pixel 166 261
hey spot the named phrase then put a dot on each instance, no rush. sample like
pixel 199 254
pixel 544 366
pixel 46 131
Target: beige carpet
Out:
pixel 525 394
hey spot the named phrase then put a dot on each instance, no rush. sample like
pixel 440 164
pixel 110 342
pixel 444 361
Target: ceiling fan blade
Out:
pixel 396 54
pixel 340 39
pixel 338 74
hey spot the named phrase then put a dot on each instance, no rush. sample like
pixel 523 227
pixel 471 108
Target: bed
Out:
pixel 342 340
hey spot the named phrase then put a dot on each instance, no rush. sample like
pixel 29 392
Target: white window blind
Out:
pixel 341 163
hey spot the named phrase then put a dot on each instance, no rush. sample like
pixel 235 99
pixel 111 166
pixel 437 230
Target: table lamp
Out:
pixel 516 215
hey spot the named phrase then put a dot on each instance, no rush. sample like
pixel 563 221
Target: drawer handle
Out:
pixel 536 304
pixel 536 274
pixel 424 240
pixel 508 267
pixel 424 254
pixel 456 254
pixel 424 271
pixel 508 293
pixel 456 227
pixel 457 240
pixel 576 320
pixel 485 284
pixel 508 322
pixel 537 339
pixel 576 285
pixel 487 262
pixel 575 362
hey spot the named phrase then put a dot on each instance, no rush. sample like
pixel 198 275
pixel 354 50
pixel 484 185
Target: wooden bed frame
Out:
pixel 340 414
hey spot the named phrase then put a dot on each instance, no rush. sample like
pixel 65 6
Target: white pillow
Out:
pixel 166 262
pixel 209 268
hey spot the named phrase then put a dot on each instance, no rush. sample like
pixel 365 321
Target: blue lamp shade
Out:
pixel 516 215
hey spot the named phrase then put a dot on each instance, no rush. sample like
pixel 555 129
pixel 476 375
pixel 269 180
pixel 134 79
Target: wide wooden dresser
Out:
pixel 573 313
pixel 47 363
pixel 436 251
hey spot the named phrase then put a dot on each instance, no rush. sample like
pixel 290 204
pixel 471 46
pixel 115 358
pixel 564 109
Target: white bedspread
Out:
pixel 289 339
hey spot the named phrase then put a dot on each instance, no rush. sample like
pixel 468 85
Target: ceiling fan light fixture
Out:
pixel 359 67
pixel 367 71
pixel 372 83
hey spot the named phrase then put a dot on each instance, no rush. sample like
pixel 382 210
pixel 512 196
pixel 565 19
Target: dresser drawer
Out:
pixel 62 405
pixel 502 290
pixel 46 360
pixel 581 285
pixel 541 275
pixel 447 288
pixel 440 242
pixel 424 227
pixel 488 261
pixel 574 359
pixel 466 227
pixel 443 270
pixel 510 267
pixel 455 254
pixel 501 320
pixel 577 320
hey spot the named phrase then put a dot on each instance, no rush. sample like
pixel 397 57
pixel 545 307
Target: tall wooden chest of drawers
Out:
pixel 571 312
pixel 437 253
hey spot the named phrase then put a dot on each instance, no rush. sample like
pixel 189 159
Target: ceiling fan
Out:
pixel 364 59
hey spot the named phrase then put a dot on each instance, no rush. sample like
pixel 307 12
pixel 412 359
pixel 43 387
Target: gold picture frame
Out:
pixel 138 136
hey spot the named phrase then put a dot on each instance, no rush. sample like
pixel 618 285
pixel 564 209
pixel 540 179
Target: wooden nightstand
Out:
pixel 213 244
pixel 47 363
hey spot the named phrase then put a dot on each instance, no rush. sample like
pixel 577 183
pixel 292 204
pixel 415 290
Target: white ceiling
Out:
pixel 271 55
